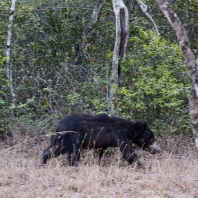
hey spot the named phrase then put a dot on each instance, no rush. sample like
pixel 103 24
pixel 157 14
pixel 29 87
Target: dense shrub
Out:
pixel 50 81
pixel 157 84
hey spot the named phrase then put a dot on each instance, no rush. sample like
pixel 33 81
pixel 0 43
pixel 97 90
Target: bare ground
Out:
pixel 173 173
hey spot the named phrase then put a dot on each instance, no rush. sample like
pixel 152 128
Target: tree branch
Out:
pixel 94 18
pixel 190 61
pixel 122 20
pixel 182 39
pixel 144 10
pixel 7 52
pixel 89 27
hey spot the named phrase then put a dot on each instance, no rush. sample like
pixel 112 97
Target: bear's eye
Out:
pixel 152 141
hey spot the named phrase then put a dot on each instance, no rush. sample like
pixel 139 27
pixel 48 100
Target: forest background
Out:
pixel 53 75
pixel 52 78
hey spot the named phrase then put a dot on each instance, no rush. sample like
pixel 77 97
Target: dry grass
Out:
pixel 172 173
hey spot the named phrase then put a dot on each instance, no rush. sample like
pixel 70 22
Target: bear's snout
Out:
pixel 154 148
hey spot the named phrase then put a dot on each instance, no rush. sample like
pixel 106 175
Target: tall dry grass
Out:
pixel 172 173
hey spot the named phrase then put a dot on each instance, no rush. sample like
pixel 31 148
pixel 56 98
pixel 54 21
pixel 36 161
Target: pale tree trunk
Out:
pixel 190 61
pixel 144 10
pixel 8 45
pixel 122 18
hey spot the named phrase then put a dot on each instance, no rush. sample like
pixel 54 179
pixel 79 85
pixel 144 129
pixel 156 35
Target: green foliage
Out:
pixel 188 16
pixel 50 83
pixel 4 108
pixel 157 87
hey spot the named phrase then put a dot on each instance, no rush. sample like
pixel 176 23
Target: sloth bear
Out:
pixel 80 130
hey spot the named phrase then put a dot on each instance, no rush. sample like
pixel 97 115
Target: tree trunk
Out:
pixel 8 45
pixel 190 61
pixel 89 27
pixel 122 18
pixel 144 10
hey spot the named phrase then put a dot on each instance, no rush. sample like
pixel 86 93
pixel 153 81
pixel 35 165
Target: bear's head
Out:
pixel 145 138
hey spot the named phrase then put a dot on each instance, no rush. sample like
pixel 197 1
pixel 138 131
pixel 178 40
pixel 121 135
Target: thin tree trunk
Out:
pixel 94 18
pixel 122 18
pixel 89 27
pixel 190 61
pixel 8 45
pixel 144 10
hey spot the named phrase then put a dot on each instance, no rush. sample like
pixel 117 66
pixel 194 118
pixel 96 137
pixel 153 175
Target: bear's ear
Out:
pixel 141 126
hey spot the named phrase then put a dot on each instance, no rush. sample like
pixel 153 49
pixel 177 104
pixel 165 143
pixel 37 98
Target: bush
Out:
pixel 4 106
pixel 156 86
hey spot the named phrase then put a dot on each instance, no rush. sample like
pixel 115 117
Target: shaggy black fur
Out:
pixel 80 130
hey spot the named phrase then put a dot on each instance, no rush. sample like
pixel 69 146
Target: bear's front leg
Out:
pixel 73 154
pixel 128 152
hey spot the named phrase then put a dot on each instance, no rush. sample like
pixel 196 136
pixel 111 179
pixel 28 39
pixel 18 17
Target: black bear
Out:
pixel 80 130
